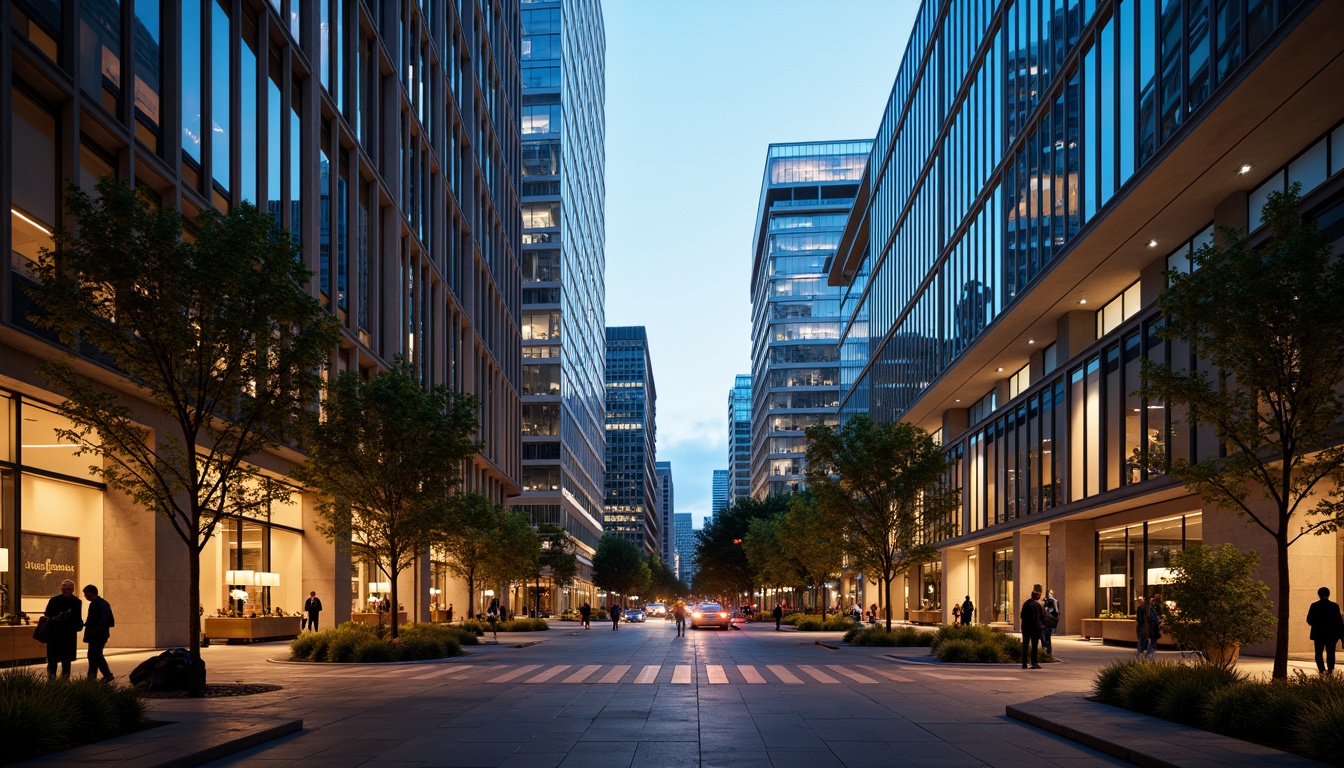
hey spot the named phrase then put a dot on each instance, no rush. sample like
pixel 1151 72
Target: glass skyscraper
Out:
pixel 631 506
pixel 1038 170
pixel 563 263
pixel 685 546
pixel 719 500
pixel 667 535
pixel 388 152
pixel 739 439
pixel 795 314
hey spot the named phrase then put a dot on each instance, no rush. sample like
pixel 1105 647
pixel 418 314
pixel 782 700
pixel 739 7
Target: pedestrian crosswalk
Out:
pixel 646 674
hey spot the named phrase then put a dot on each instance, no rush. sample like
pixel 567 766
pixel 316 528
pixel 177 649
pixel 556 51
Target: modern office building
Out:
pixel 563 263
pixel 1037 170
pixel 631 501
pixel 667 538
pixel 721 489
pixel 795 314
pixel 685 537
pixel 739 438
pixel 392 161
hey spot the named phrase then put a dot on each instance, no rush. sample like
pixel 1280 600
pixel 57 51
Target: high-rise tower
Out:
pixel 631 485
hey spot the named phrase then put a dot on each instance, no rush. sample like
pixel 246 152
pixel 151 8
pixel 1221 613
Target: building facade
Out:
pixel 391 162
pixel 685 538
pixel 1036 173
pixel 563 263
pixel 739 438
pixel 667 538
pixel 795 314
pixel 631 502
pixel 720 490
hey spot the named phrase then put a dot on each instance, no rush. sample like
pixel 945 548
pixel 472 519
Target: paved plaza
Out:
pixel 641 696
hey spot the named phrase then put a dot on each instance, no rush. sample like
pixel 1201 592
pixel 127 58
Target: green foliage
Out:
pixel 385 458
pixel 38 716
pixel 353 642
pixel 1219 604
pixel 822 624
pixel 619 566
pixel 721 558
pixel 1266 319
pixel 883 485
pixel 900 637
pixel 556 556
pixel 478 627
pixel 978 644
pixel 471 540
pixel 663 582
pixel 219 334
pixel 1304 714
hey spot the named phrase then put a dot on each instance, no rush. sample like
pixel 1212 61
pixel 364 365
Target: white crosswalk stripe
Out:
pixel 548 674
pixel 582 674
pixel 615 675
pixel 817 674
pixel 884 673
pixel 681 675
pixel 784 675
pixel 648 674
pixel 441 672
pixel 750 674
pixel 507 676
pixel 716 674
pixel 855 676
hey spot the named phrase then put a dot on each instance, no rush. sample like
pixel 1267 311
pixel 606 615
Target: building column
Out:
pixel 1073 566
pixel 145 575
pixel 1029 567
pixel 326 570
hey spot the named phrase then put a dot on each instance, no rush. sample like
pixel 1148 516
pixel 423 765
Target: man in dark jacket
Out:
pixel 1032 620
pixel 1327 627
pixel 967 611
pixel 778 613
pixel 313 606
pixel 615 617
pixel 586 614
pixel 97 631
pixel 64 620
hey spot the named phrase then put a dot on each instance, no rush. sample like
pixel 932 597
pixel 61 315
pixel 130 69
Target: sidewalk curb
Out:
pixel 141 749
pixel 1145 741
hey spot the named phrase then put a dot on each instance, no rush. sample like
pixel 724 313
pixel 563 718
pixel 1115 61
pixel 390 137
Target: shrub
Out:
pixel 1189 688
pixel 1106 685
pixel 1267 710
pixel 980 645
pixel 819 624
pixel 38 716
pixel 792 619
pixel 899 637
pixel 1320 730
pixel 1222 605
pixel 352 642
pixel 957 651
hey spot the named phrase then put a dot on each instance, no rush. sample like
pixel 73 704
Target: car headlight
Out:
pixel 695 615
pixel 723 615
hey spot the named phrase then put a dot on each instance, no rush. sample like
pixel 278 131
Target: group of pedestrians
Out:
pixel 60 625
pixel 1039 618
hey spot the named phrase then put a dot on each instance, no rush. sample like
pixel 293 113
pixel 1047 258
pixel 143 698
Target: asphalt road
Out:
pixel 641 696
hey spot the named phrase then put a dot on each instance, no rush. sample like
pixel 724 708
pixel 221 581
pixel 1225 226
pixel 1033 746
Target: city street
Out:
pixel 642 696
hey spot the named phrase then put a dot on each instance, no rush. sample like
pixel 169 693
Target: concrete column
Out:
pixel 1074 332
pixel 1233 212
pixel 984 594
pixel 325 570
pixel 144 575
pixel 1029 566
pixel 1073 566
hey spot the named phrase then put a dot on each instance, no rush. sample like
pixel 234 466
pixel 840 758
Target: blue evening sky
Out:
pixel 696 91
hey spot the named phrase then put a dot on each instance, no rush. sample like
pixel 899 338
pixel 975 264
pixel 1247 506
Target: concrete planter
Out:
pixel 1117 631
pixel 244 630
pixel 17 643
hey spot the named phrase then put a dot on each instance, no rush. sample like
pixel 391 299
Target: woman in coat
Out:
pixel 64 620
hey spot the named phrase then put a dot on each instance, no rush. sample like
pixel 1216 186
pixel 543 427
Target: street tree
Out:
pixel 663 582
pixel 722 564
pixel 386 455
pixel 813 541
pixel 469 540
pixel 555 557
pixel 619 566
pixel 516 550
pixel 1266 320
pixel 883 484
pixel 1220 605
pixel 766 556
pixel 214 338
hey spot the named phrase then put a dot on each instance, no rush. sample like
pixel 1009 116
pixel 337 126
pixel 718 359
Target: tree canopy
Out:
pixel 386 459
pixel 1266 320
pixel 721 559
pixel 216 333
pixel 619 566
pixel 883 485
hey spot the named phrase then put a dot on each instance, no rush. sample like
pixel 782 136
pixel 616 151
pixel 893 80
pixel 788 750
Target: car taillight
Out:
pixel 723 615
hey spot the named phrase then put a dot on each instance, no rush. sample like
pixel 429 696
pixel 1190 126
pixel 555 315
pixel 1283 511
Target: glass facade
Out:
pixel 795 317
pixel 631 487
pixel 721 491
pixel 388 151
pixel 685 537
pixel 563 262
pixel 739 440
pixel 667 538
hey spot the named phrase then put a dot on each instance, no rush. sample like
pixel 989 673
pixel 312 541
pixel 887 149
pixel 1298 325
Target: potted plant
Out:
pixel 1219 605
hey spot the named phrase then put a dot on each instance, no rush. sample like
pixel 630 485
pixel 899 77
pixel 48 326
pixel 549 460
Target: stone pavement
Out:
pixel 641 696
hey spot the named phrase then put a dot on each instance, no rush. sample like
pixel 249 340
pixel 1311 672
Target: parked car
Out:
pixel 656 610
pixel 634 614
pixel 711 615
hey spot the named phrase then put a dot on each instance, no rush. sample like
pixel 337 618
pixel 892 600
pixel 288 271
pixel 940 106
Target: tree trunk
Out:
pixel 195 682
pixel 1281 640
pixel 886 596
pixel 392 611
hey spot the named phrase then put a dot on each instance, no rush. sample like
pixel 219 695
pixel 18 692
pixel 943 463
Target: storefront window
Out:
pixel 43 449
pixel 62 538
pixel 1003 585
pixel 931 586
pixel 1135 561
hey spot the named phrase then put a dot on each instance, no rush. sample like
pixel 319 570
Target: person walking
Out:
pixel 1051 609
pixel 1033 619
pixel 679 613
pixel 1154 625
pixel 956 613
pixel 450 613
pixel 64 620
pixel 97 631
pixel 778 613
pixel 586 614
pixel 1327 627
pixel 1141 627
pixel 312 607
pixel 615 617
pixel 967 610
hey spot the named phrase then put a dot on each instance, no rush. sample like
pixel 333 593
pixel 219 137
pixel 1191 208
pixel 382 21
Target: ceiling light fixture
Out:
pixel 1244 169
pixel 1082 301
pixel 1152 243
pixel 1031 341
pixel 999 369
